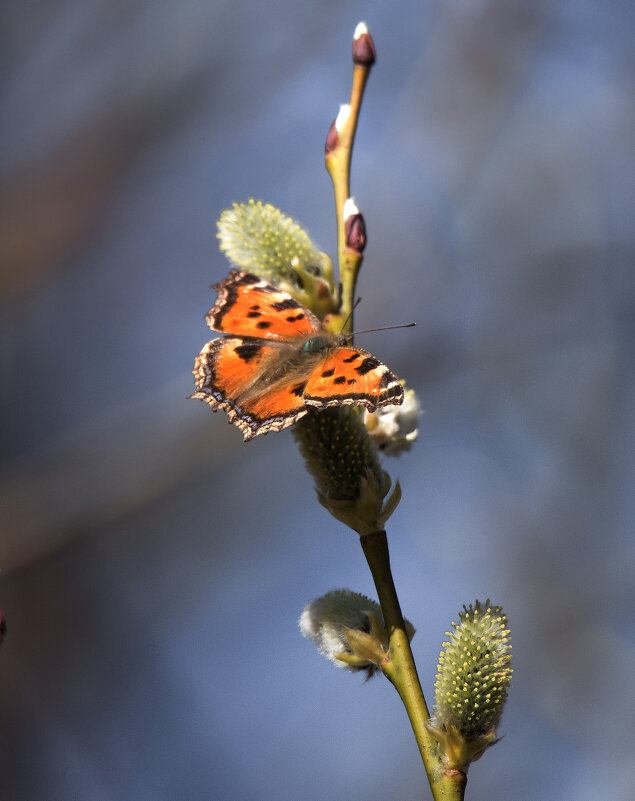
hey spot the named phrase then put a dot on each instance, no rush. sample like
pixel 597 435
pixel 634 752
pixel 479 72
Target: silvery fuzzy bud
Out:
pixel 395 428
pixel 259 238
pixel 349 630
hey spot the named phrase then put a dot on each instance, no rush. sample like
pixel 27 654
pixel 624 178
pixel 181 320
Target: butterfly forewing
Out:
pixel 247 306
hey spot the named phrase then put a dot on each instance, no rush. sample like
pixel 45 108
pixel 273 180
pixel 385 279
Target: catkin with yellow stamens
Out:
pixel 473 678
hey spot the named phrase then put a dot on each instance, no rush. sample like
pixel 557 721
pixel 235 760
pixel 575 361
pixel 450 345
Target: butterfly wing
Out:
pixel 349 376
pixel 277 362
pixel 247 306
pixel 228 375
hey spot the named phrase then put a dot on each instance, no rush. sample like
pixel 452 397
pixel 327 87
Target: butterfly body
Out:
pixel 277 361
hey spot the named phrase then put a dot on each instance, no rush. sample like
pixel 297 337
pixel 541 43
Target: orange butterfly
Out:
pixel 278 362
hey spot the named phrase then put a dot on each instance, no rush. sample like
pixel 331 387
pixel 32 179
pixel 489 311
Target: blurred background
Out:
pixel 153 567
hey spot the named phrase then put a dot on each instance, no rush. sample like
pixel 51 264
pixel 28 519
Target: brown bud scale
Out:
pixel 332 139
pixel 355 229
pixel 364 50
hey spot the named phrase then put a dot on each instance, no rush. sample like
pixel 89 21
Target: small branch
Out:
pixel 399 666
pixel 400 669
pixel 338 152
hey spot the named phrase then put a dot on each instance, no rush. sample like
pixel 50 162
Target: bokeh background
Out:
pixel 153 566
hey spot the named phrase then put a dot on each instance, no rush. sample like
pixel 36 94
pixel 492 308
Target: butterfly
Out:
pixel 277 361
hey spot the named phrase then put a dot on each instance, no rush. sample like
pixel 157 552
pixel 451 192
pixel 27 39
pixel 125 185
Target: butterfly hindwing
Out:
pixel 349 376
pixel 247 306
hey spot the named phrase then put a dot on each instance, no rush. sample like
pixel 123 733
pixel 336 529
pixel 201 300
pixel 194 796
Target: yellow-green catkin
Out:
pixel 259 238
pixel 342 459
pixel 473 678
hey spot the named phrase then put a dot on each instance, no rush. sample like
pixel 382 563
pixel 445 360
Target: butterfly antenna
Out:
pixel 383 328
pixel 350 314
pixel 370 330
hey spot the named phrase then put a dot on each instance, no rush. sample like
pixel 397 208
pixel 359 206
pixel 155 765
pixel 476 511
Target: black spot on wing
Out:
pixel 288 303
pixel 298 389
pixel 295 319
pixel 247 351
pixel 254 314
pixel 341 379
pixel 263 324
pixel 352 381
pixel 328 373
pixel 352 358
pixel 369 363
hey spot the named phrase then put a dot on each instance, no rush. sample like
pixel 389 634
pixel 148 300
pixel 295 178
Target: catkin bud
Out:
pixel 363 46
pixel 473 677
pixel 342 459
pixel 354 226
pixel 259 238
pixel 349 630
pixel 332 139
pixel 395 428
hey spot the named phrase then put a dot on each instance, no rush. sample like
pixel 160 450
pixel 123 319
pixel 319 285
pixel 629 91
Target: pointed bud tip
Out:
pixel 360 30
pixel 350 208
pixel 342 116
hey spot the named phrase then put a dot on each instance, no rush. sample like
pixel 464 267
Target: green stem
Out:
pixel 338 164
pixel 401 670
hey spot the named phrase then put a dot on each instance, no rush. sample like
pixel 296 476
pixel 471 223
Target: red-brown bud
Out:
pixel 355 229
pixel 363 46
pixel 332 139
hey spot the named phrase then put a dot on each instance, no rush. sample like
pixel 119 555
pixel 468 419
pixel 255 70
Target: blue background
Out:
pixel 153 566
